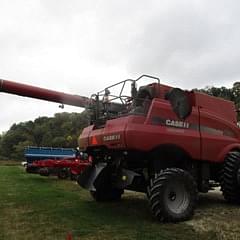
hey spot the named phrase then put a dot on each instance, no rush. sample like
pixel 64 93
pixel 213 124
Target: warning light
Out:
pixel 124 178
pixel 94 140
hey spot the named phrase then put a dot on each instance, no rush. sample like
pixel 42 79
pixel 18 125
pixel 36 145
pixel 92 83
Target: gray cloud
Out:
pixel 191 43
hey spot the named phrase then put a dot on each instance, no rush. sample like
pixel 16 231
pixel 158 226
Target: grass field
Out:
pixel 35 207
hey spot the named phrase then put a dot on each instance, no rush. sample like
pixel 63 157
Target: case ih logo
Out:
pixel 178 124
pixel 111 137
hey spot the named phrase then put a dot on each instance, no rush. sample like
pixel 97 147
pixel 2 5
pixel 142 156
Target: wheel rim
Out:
pixel 176 197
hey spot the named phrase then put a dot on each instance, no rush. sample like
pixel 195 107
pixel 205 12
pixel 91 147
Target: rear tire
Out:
pixel 44 171
pixel 63 173
pixel 107 195
pixel 229 178
pixel 173 195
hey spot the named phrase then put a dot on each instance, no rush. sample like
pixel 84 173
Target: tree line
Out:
pixel 63 129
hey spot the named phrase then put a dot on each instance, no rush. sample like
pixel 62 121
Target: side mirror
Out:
pixel 180 102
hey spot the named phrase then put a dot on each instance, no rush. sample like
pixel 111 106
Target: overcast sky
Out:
pixel 80 46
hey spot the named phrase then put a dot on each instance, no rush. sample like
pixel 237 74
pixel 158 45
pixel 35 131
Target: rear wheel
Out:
pixel 107 195
pixel 44 171
pixel 230 178
pixel 173 195
pixel 63 173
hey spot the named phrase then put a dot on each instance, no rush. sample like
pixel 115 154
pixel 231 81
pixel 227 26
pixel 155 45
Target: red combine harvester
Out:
pixel 63 168
pixel 166 142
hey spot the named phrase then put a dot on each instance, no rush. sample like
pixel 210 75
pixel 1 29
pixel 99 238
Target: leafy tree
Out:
pixel 62 130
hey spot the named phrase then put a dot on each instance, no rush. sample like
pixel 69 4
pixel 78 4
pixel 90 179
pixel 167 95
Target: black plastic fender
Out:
pixel 100 176
pixel 87 178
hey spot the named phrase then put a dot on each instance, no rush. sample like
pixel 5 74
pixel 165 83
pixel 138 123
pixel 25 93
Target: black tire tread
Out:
pixel 155 189
pixel 228 179
pixel 63 174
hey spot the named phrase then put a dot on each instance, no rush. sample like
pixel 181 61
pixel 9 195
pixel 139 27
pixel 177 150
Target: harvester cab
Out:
pixel 120 99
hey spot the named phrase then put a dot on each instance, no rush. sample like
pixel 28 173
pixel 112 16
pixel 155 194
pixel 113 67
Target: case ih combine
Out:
pixel 166 142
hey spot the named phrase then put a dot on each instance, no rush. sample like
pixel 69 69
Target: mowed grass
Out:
pixel 36 207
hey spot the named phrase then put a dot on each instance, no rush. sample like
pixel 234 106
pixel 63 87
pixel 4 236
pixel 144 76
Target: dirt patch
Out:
pixel 214 214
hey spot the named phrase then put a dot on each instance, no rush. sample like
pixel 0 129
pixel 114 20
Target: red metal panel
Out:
pixel 217 134
pixel 216 106
pixel 150 135
pixel 112 135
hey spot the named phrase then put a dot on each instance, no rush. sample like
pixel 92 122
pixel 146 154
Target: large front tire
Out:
pixel 173 195
pixel 230 178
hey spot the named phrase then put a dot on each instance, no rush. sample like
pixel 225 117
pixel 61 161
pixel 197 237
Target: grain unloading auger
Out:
pixel 42 93
pixel 166 142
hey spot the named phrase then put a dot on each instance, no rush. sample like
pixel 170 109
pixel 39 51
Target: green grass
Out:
pixel 9 163
pixel 35 207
